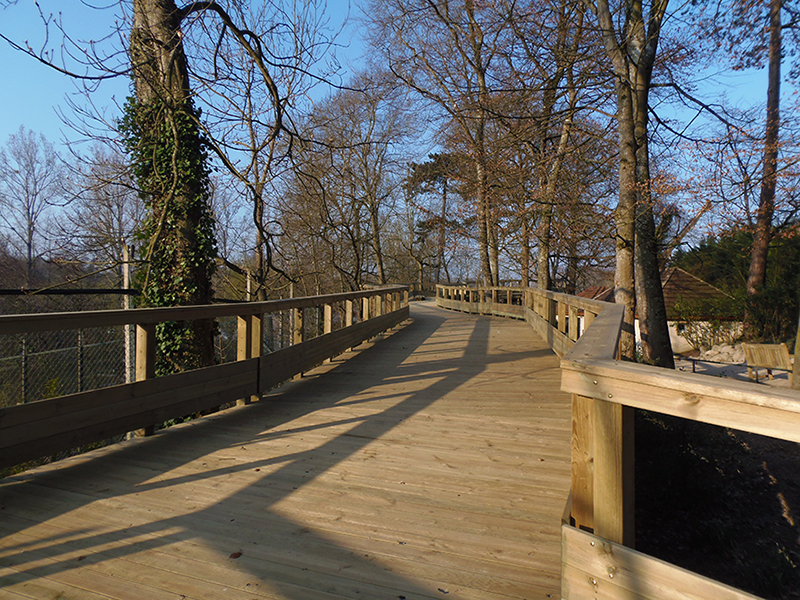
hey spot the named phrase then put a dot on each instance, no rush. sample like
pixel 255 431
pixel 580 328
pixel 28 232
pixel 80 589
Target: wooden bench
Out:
pixel 769 356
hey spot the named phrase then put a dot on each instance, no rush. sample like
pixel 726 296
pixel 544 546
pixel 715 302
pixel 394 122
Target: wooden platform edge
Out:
pixel 593 567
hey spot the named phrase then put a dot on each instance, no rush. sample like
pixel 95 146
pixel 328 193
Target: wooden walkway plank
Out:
pixel 433 462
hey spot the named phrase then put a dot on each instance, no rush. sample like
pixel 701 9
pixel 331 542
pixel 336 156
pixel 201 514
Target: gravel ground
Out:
pixel 731 371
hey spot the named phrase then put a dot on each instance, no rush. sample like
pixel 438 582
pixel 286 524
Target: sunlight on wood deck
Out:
pixel 433 463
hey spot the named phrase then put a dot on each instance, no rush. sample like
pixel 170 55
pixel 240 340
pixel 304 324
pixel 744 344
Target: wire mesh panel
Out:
pixel 35 366
pixel 225 340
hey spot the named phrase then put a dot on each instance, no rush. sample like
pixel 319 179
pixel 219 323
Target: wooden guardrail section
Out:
pixel 598 559
pixel 44 427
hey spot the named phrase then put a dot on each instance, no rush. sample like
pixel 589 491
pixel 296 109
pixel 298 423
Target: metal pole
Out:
pixel 80 360
pixel 24 368
pixel 126 304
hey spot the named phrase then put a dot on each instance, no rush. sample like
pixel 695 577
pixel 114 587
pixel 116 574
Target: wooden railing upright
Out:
pixel 598 559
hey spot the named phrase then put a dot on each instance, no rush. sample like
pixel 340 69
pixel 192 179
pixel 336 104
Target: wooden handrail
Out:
pixel 43 427
pixel 605 392
pixel 30 323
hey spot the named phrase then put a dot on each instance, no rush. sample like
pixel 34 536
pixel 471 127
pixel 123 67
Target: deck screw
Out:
pixel 594 382
pixel 611 395
pixel 611 571
pixel 592 544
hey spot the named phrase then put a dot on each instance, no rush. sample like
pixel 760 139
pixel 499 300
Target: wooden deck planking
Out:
pixel 431 464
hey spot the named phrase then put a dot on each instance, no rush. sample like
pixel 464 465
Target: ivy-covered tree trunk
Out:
pixel 169 164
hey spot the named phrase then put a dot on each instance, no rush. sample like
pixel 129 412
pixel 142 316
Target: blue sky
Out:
pixel 33 93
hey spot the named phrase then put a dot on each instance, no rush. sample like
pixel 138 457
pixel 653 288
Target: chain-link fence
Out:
pixel 34 366
pixel 46 364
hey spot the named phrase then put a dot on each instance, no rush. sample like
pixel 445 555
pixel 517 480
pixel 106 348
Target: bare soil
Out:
pixel 722 503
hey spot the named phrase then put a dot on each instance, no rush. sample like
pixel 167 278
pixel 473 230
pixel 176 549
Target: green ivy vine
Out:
pixel 169 162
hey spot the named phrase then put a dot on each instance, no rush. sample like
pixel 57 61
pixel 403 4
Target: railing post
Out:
pixel 613 472
pixel 327 322
pixel 509 297
pixel 298 330
pixel 494 295
pixel 405 297
pixel 327 318
pixel 551 311
pixel 365 308
pixel 582 510
pixel 562 316
pixel 588 319
pixel 249 332
pixel 348 313
pixel 145 363
pixel 573 323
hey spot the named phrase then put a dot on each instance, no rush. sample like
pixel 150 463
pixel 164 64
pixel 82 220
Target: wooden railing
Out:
pixel 598 559
pixel 44 427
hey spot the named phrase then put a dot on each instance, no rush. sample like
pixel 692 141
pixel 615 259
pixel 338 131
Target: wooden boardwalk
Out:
pixel 433 463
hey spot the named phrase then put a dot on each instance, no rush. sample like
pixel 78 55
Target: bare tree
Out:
pixel 348 177
pixel 105 210
pixel 445 52
pixel 31 182
pixel 252 140
pixel 630 40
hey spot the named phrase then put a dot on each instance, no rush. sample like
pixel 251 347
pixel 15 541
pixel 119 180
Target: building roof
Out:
pixel 598 292
pixel 677 285
pixel 682 285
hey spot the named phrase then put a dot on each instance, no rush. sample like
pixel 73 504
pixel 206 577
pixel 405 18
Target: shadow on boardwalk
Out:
pixel 262 501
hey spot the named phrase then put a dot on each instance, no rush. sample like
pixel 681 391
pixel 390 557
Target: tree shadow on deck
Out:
pixel 246 540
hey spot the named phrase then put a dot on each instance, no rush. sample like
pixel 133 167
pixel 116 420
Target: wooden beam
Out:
pixel 613 472
pixel 298 332
pixel 573 323
pixel 562 316
pixel 596 568
pixel 348 313
pixel 249 341
pixel 365 303
pixel 145 364
pixel 583 462
pixel 29 323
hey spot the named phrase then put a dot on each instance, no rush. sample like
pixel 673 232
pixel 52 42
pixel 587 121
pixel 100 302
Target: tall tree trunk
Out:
pixel 483 220
pixel 653 326
pixel 494 249
pixel 171 173
pixel 766 202
pixel 442 232
pixel 553 171
pixel 525 251
pixel 624 279
pixel 261 242
pixel 632 58
pixel 543 281
pixel 374 220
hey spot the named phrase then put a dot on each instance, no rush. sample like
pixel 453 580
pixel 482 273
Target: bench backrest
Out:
pixel 774 356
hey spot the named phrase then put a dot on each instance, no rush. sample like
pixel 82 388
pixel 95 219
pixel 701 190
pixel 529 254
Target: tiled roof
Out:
pixel 677 285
